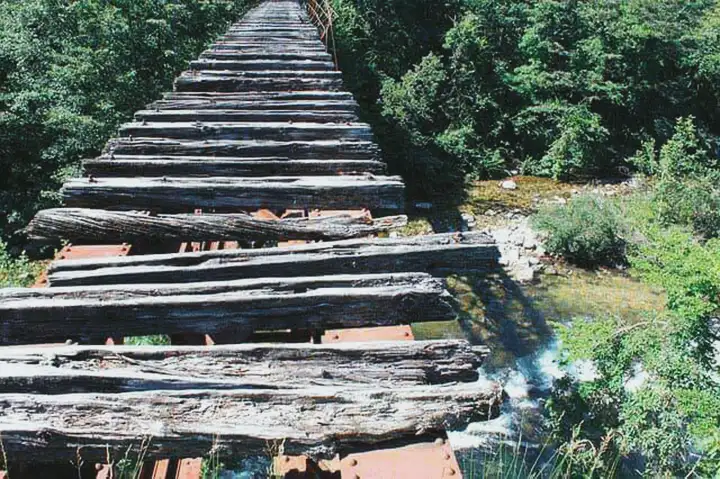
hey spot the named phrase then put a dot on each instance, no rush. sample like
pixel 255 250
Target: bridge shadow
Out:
pixel 497 312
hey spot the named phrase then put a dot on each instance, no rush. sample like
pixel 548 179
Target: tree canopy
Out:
pixel 556 88
pixel 72 71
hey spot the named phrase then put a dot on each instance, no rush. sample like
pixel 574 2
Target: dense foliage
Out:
pixel 72 71
pixel 588 231
pixel 555 87
pixel 657 390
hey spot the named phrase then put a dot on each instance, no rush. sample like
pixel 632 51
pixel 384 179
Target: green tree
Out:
pixel 71 72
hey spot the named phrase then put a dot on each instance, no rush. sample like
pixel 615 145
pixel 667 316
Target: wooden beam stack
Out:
pixel 183 401
pixel 259 121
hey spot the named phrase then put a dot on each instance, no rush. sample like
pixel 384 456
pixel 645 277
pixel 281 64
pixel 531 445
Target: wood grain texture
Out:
pixel 316 421
pixel 235 115
pixel 296 150
pixel 238 83
pixel 242 103
pixel 262 96
pixel 469 251
pixel 32 315
pixel 80 225
pixel 204 166
pixel 182 195
pixel 108 369
pixel 285 131
pixel 300 55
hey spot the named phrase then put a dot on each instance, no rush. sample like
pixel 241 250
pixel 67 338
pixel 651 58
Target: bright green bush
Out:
pixel 562 88
pixel 580 135
pixel 686 180
pixel 586 231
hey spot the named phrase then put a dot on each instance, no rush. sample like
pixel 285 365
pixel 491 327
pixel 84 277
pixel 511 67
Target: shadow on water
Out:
pixel 518 321
pixel 494 311
pixel 511 324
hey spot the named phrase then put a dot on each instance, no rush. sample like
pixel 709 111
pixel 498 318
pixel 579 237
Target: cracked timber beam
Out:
pixel 102 226
pixel 243 306
pixel 466 251
pixel 182 195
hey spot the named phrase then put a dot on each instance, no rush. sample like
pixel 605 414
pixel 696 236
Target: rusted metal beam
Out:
pixel 386 333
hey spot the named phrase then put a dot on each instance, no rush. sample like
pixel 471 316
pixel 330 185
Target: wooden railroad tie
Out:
pixel 259 209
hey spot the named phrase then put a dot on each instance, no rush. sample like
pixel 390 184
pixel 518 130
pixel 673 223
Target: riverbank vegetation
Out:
pixel 656 393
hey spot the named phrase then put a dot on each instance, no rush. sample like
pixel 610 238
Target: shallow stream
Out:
pixel 518 323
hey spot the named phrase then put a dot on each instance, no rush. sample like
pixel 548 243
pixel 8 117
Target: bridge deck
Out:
pixel 249 158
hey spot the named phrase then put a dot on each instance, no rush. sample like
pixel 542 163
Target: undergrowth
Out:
pixel 17 271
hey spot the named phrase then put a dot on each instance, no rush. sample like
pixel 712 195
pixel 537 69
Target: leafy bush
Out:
pixel 586 231
pixel 561 88
pixel 580 135
pixel 687 180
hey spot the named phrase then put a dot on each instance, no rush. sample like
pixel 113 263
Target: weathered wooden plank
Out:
pixel 248 131
pixel 129 166
pixel 426 253
pixel 262 96
pixel 276 46
pixel 274 32
pixel 247 116
pixel 261 65
pixel 253 105
pixel 275 21
pixel 270 30
pixel 220 54
pixel 297 43
pixel 181 195
pixel 33 315
pixel 273 27
pixel 261 51
pixel 232 84
pixel 80 225
pixel 297 150
pixel 68 369
pixel 316 421
pixel 282 75
pixel 288 36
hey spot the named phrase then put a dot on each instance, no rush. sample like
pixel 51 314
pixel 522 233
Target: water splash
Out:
pixel 528 383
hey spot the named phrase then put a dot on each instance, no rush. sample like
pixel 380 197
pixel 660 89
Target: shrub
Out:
pixel 16 271
pixel 686 180
pixel 587 231
pixel 580 136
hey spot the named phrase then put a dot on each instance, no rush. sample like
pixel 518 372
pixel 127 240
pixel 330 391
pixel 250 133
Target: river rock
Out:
pixel 468 222
pixel 524 271
pixel 509 185
pixel 520 249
